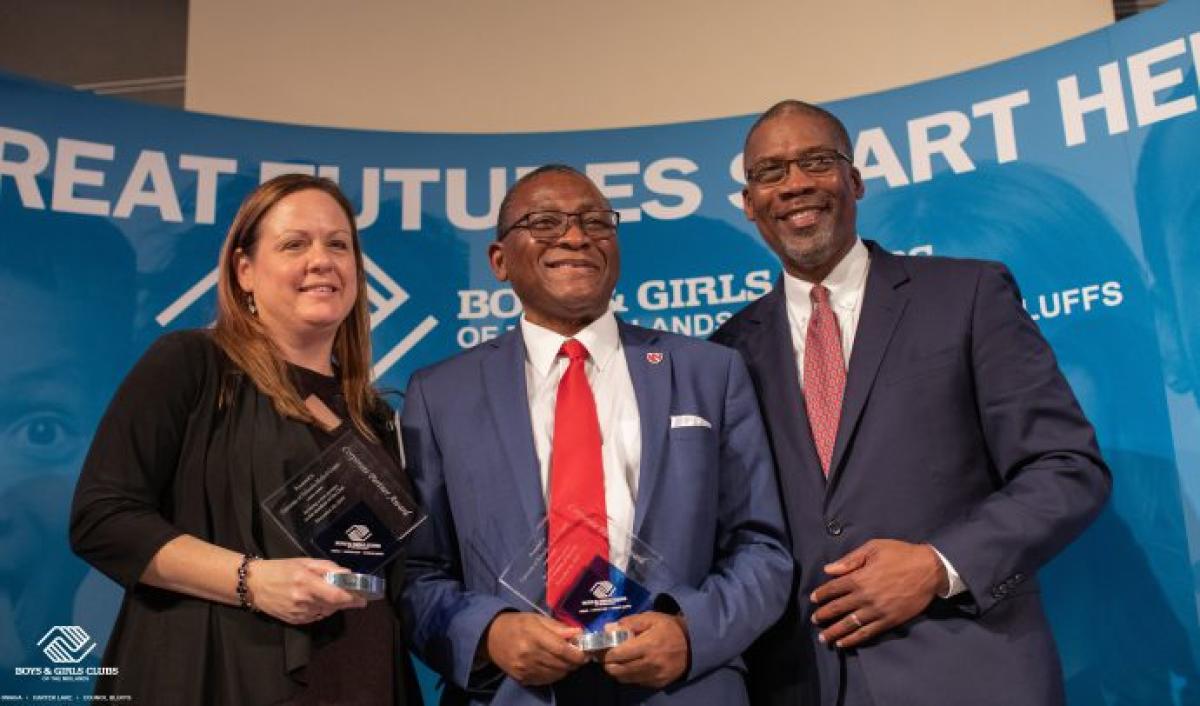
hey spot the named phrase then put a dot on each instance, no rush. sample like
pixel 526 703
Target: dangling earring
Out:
pixel 250 305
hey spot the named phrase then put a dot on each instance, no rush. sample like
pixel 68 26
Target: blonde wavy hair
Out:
pixel 244 339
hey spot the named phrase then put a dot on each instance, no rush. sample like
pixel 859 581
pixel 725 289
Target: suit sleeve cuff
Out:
pixel 704 645
pixel 955 584
pixel 467 633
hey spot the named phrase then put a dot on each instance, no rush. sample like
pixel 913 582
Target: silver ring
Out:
pixel 854 619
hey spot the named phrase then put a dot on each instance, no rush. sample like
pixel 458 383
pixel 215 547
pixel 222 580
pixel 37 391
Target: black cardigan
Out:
pixel 165 461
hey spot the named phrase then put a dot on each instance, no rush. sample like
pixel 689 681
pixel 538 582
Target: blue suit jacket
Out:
pixel 707 502
pixel 957 429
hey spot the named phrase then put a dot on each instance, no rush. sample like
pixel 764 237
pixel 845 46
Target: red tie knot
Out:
pixel 819 294
pixel 574 350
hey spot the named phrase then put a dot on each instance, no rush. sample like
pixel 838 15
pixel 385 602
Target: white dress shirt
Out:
pixel 616 408
pixel 847 284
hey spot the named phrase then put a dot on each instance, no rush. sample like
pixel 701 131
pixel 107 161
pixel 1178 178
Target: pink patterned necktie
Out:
pixel 824 374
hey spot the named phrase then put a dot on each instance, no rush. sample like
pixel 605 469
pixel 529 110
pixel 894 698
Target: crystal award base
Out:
pixel 600 641
pixel 368 586
pixel 590 592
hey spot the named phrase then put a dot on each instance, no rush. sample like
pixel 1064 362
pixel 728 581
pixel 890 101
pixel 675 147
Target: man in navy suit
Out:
pixel 679 460
pixel 930 455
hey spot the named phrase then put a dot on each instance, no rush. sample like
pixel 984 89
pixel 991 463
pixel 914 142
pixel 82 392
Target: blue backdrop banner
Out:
pixel 1075 165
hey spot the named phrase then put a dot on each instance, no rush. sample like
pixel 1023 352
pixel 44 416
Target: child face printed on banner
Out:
pixel 1169 209
pixel 70 335
pixel 807 219
pixel 1183 244
pixel 301 269
pixel 46 418
pixel 563 285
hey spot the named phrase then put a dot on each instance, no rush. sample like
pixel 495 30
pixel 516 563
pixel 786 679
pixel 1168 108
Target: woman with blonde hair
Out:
pixel 220 606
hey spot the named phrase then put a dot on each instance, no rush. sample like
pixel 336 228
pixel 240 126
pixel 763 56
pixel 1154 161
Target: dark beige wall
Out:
pixel 129 48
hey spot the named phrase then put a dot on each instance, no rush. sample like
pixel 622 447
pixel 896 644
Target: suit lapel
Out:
pixel 769 349
pixel 508 401
pixel 652 386
pixel 882 307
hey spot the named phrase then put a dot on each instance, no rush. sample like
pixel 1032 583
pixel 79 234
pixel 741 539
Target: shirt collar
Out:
pixel 601 337
pixel 844 282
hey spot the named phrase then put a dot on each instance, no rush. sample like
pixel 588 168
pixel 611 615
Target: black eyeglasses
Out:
pixel 773 171
pixel 549 226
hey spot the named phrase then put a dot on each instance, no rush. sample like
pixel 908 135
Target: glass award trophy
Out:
pixel 349 507
pixel 592 592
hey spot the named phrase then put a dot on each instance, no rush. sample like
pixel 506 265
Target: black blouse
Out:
pixel 347 666
pixel 166 460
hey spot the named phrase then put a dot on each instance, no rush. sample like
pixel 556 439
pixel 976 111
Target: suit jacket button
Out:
pixel 833 527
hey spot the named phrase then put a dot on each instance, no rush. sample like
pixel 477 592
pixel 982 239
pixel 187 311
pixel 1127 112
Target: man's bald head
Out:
pixel 792 106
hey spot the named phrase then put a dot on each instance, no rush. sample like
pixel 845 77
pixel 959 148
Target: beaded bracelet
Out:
pixel 243 591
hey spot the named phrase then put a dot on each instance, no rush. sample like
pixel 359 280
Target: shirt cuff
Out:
pixel 954 581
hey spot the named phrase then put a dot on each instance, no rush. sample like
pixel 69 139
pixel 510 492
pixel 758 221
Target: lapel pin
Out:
pixel 654 358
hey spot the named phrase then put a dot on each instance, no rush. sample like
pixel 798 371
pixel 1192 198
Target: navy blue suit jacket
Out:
pixel 707 502
pixel 957 429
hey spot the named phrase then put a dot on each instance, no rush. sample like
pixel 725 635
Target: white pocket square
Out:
pixel 689 420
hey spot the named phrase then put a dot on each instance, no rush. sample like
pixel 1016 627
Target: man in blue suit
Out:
pixel 680 461
pixel 931 456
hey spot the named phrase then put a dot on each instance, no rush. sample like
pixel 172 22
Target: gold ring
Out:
pixel 854 619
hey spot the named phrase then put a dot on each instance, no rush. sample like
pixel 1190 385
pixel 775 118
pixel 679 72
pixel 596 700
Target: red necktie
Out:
pixel 578 521
pixel 824 374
